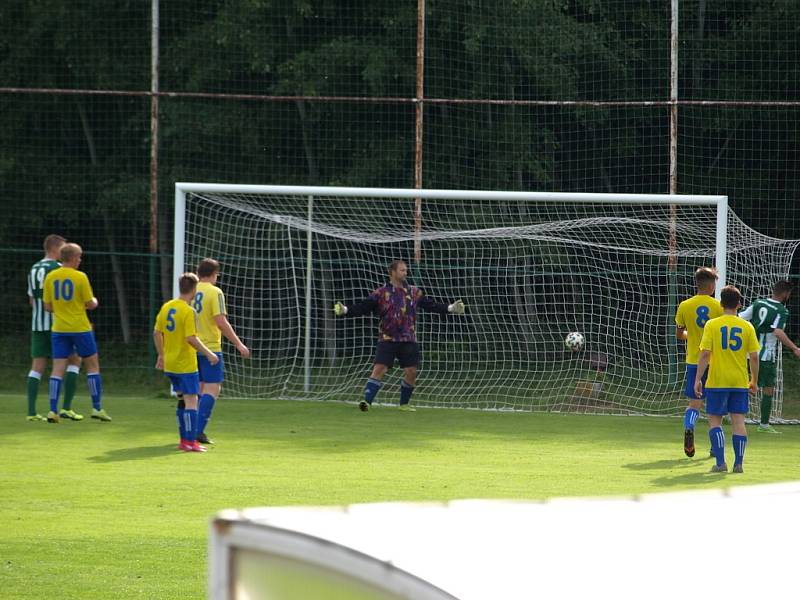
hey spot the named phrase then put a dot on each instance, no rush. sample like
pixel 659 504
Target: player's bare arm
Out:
pixel 681 333
pixel 786 341
pixel 702 365
pixel 158 341
pixel 227 330
pixel 92 304
pixel 752 358
pixel 195 343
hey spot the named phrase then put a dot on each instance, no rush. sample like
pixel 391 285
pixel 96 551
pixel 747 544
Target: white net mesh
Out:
pixel 529 272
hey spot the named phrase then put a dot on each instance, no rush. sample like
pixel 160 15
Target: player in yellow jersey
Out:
pixel 68 294
pixel 41 343
pixel 729 343
pixel 175 338
pixel 690 318
pixel 212 324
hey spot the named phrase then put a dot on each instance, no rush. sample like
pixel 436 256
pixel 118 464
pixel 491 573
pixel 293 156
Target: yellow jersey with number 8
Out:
pixel 692 315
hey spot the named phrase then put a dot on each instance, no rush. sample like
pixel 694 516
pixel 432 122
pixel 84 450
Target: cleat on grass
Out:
pixel 767 429
pixel 688 442
pixel 100 415
pixel 71 415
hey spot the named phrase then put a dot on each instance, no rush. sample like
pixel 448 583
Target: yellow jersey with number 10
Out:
pixel 209 301
pixel 68 290
pixel 692 316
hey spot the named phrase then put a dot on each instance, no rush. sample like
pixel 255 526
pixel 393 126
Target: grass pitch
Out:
pixel 103 510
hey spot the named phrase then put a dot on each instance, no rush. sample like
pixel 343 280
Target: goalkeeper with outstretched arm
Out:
pixel 396 303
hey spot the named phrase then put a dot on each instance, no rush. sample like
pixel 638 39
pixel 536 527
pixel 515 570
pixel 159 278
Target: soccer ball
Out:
pixel 574 341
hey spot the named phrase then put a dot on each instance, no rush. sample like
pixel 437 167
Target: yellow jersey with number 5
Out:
pixel 209 301
pixel 692 315
pixel 729 339
pixel 176 322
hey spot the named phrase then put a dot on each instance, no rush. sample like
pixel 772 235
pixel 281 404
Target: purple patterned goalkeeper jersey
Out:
pixel 397 309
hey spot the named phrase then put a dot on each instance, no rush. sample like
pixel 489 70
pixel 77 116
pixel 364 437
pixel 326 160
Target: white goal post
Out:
pixel 530 266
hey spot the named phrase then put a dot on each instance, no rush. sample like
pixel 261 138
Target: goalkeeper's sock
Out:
pixel 690 418
pixel 406 389
pixel 371 389
pixel 95 389
pixel 34 378
pixel 204 408
pixel 55 392
pixel 70 383
pixel 739 445
pixel 717 438
pixel 766 408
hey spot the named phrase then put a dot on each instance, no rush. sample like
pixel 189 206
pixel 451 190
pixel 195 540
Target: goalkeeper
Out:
pixel 396 303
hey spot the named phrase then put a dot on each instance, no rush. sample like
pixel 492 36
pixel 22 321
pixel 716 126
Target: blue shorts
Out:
pixel 185 383
pixel 64 344
pixel 406 353
pixel 721 401
pixel 210 373
pixel 688 387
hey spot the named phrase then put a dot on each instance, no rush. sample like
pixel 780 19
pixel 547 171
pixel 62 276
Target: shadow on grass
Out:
pixel 660 465
pixel 137 453
pixel 714 480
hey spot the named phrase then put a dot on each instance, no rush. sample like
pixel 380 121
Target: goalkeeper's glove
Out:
pixel 457 308
pixel 339 309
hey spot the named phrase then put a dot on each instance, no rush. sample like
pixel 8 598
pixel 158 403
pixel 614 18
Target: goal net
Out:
pixel 530 267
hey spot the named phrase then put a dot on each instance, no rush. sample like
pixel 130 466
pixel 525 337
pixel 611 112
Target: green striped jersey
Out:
pixel 767 315
pixel 41 320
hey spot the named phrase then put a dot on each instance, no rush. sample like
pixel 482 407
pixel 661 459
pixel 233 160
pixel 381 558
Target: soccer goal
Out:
pixel 531 267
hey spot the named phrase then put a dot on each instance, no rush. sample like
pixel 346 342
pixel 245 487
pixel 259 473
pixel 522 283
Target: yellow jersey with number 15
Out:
pixel 729 339
pixel 176 322
pixel 692 315
pixel 209 301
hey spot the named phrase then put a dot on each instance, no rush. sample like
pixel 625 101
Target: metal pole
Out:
pixel 153 245
pixel 420 106
pixel 309 273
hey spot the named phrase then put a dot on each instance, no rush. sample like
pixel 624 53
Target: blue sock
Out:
pixel 204 408
pixel 406 389
pixel 717 438
pixel 180 415
pixel 95 389
pixel 690 417
pixel 55 391
pixel 739 444
pixel 371 389
pixel 190 423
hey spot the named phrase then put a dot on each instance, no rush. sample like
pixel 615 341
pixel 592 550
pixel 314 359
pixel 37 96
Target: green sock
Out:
pixel 33 391
pixel 70 383
pixel 766 408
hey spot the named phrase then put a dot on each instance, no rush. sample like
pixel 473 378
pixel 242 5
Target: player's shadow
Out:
pixel 680 479
pixel 660 465
pixel 135 453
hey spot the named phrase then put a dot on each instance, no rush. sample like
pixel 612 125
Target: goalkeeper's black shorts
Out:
pixel 406 353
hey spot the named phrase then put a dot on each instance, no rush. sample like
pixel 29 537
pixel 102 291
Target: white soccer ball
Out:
pixel 574 341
